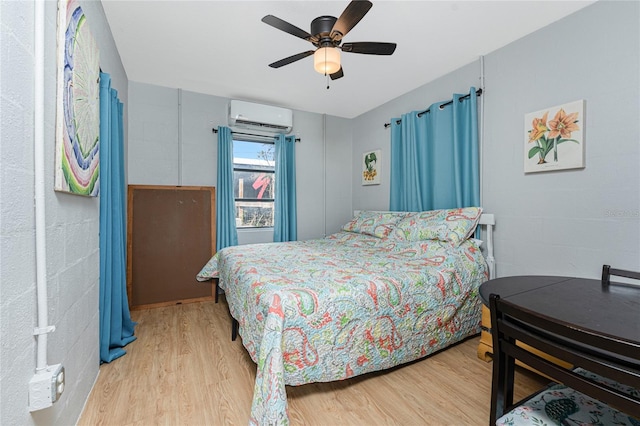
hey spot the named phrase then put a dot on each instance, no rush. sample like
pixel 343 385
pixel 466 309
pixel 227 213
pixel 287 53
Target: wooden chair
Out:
pixel 604 385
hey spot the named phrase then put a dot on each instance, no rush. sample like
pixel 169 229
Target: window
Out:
pixel 253 183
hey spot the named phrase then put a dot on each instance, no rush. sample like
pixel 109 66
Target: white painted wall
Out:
pixel 565 222
pixel 172 143
pixel 568 222
pixel 338 165
pixel 369 132
pixel 72 224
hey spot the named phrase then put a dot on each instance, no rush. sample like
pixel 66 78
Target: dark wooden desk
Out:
pixel 612 310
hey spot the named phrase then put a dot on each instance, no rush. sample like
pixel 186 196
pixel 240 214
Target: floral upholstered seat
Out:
pixel 561 405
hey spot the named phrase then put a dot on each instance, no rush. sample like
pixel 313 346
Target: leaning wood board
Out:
pixel 485 347
pixel 171 234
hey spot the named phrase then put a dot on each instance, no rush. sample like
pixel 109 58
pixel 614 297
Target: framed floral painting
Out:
pixel 554 138
pixel 371 167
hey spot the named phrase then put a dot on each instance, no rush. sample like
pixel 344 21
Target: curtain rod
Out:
pixel 214 130
pixel 420 114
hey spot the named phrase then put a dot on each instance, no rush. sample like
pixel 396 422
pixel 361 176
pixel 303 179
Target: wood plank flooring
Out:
pixel 183 369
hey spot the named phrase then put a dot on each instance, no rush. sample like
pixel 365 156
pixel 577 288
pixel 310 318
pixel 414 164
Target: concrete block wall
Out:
pixel 72 225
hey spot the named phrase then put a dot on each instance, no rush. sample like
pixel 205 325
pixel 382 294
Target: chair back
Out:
pixel 598 353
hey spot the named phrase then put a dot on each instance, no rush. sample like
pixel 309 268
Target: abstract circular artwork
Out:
pixel 78 110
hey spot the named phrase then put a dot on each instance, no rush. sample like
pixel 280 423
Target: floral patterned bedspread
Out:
pixel 333 308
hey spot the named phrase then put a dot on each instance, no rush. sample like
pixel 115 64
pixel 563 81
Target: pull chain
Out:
pixel 325 68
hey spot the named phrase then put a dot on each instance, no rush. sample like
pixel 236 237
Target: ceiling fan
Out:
pixel 326 35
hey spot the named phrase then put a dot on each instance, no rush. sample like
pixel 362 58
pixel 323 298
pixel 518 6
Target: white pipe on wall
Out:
pixel 324 173
pixel 39 196
pixel 179 137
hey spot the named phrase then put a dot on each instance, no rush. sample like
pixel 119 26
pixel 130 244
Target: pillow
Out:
pixel 377 224
pixel 452 225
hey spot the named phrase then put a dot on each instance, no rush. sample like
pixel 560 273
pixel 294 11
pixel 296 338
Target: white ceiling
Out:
pixel 222 48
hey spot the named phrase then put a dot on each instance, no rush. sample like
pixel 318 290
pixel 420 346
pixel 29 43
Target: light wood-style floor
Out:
pixel 184 370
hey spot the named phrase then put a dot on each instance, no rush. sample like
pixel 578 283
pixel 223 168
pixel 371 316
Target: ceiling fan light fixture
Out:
pixel 326 60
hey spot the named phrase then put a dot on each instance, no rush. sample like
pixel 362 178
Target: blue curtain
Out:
pixel 116 326
pixel 226 232
pixel 434 157
pixel 285 222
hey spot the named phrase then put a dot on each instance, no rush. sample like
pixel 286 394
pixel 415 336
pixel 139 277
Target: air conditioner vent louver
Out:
pixel 264 126
pixel 266 118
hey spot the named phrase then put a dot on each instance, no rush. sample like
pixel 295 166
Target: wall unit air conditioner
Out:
pixel 266 118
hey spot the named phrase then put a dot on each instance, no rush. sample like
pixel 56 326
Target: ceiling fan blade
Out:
pixel 286 27
pixel 336 75
pixel 354 12
pixel 290 59
pixel 369 48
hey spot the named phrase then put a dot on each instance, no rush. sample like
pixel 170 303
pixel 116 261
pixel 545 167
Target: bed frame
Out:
pixel 489 221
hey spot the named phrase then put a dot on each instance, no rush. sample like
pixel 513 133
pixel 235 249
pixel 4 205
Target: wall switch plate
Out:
pixel 46 387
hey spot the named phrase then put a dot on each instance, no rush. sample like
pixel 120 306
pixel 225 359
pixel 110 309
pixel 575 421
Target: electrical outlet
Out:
pixel 46 387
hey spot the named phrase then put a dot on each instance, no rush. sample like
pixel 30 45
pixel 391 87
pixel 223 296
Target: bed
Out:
pixel 389 288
